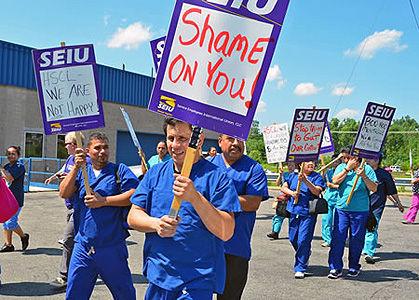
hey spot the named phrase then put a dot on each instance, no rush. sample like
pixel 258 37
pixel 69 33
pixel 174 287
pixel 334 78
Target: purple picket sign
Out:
pixel 216 59
pixel 157 47
pixel 68 89
pixel 306 134
pixel 327 142
pixel 373 131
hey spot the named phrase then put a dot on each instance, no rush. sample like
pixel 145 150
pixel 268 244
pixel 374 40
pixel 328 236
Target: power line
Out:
pixel 414 14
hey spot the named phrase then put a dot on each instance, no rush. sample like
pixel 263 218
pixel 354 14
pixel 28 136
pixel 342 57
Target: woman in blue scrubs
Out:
pixel 14 173
pixel 301 223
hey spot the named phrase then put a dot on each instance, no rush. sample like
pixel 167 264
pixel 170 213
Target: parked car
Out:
pixel 396 169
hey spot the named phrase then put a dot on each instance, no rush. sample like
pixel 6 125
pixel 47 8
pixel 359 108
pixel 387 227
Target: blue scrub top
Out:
pixel 16 187
pixel 301 208
pixel 331 195
pixel 360 199
pixel 193 258
pixel 385 187
pixel 101 227
pixel 249 179
pixel 154 160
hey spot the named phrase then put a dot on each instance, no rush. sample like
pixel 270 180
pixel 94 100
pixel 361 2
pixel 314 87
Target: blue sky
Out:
pixel 317 51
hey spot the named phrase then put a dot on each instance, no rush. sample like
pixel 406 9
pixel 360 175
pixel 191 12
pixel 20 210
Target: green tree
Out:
pixel 254 146
pixel 397 145
pixel 343 139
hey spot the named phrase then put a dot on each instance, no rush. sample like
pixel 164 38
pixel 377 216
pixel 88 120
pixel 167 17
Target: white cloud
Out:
pixel 384 40
pixel 340 90
pixel 130 37
pixel 306 89
pixel 106 19
pixel 274 73
pixel 281 84
pixel 261 107
pixel 124 20
pixel 347 113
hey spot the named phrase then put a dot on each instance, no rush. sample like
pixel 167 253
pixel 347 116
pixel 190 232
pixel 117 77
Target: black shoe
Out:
pixel 369 259
pixel 25 241
pixel 335 274
pixel 273 235
pixel 7 248
pixel 353 273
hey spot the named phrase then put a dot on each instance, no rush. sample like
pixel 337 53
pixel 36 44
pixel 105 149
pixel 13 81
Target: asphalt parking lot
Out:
pixel 26 275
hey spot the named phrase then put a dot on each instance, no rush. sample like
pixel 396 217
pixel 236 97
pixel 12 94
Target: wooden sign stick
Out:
pixel 299 184
pixel 323 171
pixel 187 167
pixel 83 167
pixel 325 166
pixel 356 181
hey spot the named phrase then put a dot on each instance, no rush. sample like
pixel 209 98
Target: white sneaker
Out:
pixel 299 275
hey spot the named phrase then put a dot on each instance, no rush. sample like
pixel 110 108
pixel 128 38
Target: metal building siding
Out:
pixel 124 87
pixel 16 69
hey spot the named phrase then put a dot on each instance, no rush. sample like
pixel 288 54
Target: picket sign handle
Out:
pixel 356 181
pixel 186 171
pixel 142 159
pixel 325 166
pixel 299 184
pixel 83 167
pixel 282 176
pixel 323 171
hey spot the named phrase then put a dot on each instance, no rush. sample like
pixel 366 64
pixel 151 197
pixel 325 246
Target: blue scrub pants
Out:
pixel 371 239
pixel 355 222
pixel 301 231
pixel 155 292
pixel 277 223
pixel 112 265
pixel 327 223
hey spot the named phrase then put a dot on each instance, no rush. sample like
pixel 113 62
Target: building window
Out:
pixel 34 144
pixel 61 150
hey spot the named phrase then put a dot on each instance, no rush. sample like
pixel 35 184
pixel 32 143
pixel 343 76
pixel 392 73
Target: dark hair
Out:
pixel 162 141
pixel 173 122
pixel 335 156
pixel 97 136
pixel 17 148
pixel 380 158
pixel 212 148
pixel 346 149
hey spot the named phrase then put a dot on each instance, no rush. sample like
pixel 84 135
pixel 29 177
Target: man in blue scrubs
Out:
pixel 252 187
pixel 100 246
pixel 386 188
pixel 183 257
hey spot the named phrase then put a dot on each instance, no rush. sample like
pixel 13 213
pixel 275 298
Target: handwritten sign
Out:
pixel 327 142
pixel 276 138
pixel 68 90
pixel 157 47
pixel 217 55
pixel 306 134
pixel 373 131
